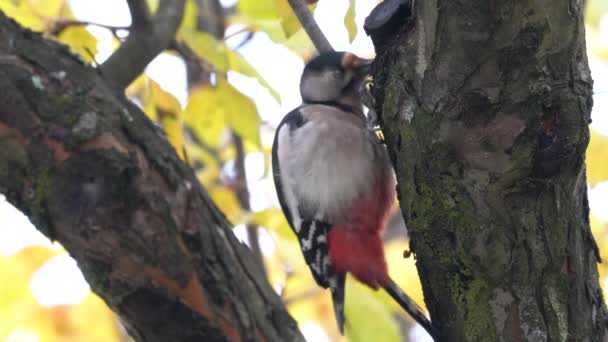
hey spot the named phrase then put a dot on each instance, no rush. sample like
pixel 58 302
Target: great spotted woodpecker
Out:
pixel 335 182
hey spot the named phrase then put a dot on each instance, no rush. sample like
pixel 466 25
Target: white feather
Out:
pixel 331 161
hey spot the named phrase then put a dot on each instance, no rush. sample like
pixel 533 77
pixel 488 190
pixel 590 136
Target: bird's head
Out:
pixel 334 78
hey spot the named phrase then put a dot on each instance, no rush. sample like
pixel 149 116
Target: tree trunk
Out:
pixel 485 107
pixel 91 171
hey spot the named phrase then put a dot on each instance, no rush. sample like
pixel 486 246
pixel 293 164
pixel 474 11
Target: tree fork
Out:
pixel 485 107
pixel 91 171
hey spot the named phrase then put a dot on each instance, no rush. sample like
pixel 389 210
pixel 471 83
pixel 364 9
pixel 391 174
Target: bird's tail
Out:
pixel 337 296
pixel 410 307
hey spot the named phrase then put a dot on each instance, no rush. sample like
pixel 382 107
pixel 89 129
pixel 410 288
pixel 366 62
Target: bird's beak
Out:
pixel 359 65
pixel 364 66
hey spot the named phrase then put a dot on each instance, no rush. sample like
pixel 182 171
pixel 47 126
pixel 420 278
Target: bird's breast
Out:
pixel 334 160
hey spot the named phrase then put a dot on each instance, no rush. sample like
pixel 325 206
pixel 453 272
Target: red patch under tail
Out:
pixel 359 252
pixel 356 246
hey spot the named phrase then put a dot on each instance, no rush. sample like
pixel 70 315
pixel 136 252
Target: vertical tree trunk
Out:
pixel 485 106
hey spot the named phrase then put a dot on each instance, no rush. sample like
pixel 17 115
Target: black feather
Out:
pixel 337 296
pixel 294 120
pixel 411 307
pixel 326 61
pixel 312 233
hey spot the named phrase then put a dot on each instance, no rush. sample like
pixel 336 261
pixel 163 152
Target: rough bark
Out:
pixel 91 171
pixel 485 107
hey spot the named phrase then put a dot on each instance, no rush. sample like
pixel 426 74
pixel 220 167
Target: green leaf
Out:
pixel 349 21
pixel 258 9
pixel 223 58
pixel 367 317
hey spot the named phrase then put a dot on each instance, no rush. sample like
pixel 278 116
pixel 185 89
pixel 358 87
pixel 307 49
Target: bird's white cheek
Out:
pixel 320 87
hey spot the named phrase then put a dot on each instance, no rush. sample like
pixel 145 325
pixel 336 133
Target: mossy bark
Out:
pixel 485 107
pixel 90 170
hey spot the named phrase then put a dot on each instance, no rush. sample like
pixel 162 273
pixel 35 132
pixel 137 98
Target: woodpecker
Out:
pixel 335 182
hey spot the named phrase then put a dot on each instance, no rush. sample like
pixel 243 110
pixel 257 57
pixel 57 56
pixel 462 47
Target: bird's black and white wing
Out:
pixel 301 212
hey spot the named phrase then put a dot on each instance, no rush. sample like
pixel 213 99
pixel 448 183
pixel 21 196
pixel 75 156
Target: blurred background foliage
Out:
pixel 220 117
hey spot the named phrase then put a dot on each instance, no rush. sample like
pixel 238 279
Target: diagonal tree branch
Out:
pixel 91 171
pixel 148 37
pixel 310 25
pixel 140 13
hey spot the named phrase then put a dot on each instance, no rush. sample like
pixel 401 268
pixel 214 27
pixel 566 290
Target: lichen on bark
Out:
pixel 485 107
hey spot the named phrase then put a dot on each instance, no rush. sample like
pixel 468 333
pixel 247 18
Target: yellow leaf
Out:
pixel 19 310
pixel 274 220
pixel 190 17
pixel 349 21
pixel 163 99
pixel 153 5
pixel 169 112
pixel 23 14
pixel 226 200
pixel 209 110
pixel 162 107
pixel 594 11
pixel 257 9
pixel 76 321
pixel 46 8
pixel 208 48
pixel 80 40
pixel 206 166
pixel 241 113
pixel 139 87
pixel 367 317
pixel 289 22
pixel 597 169
pixel 174 129
pixel 222 58
pixel 205 115
pixel 404 271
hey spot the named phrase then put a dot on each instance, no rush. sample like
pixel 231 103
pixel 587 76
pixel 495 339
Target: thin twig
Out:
pixel 209 19
pixel 60 25
pixel 237 32
pixel 310 25
pixel 148 37
pixel 190 57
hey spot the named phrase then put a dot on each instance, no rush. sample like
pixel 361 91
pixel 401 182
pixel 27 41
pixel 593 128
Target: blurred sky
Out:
pixel 60 282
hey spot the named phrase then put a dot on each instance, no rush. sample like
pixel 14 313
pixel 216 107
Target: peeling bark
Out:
pixel 91 171
pixel 485 107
